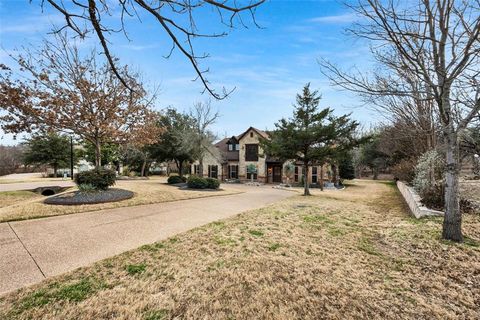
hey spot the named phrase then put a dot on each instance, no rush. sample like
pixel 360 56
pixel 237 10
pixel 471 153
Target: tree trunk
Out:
pixel 180 168
pixel 55 169
pixel 321 177
pixel 98 155
pixel 335 174
pixel 200 167
pixel 306 191
pixel 144 164
pixel 452 223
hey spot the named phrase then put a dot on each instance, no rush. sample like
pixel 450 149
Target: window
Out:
pixel 196 169
pixel 314 175
pixel 233 147
pixel 249 176
pixel 233 172
pixel 213 171
pixel 251 152
pixel 295 177
pixel 251 134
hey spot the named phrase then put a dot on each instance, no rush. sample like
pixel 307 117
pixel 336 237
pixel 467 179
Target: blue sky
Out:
pixel 267 66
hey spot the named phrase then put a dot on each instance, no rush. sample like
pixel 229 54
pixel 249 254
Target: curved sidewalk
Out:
pixel 32 250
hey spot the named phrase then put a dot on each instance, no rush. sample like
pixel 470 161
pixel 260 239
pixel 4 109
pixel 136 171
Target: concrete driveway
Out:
pixel 33 250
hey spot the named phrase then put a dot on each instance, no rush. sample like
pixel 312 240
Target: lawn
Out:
pixel 354 253
pixel 8 198
pixel 15 207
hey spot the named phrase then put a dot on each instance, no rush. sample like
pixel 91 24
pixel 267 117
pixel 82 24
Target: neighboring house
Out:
pixel 229 158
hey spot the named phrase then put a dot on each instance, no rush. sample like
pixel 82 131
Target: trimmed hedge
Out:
pixel 196 182
pixel 176 179
pixel 213 183
pixel 100 179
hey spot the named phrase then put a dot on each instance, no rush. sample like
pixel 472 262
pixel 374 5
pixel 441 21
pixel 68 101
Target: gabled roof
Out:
pixel 258 131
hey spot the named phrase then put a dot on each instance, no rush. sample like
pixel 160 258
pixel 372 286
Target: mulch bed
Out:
pixel 79 198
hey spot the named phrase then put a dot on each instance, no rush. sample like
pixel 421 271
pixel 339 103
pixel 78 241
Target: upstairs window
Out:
pixel 233 147
pixel 251 152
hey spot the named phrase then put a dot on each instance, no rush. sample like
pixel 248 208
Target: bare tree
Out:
pixel 436 43
pixel 11 158
pixel 62 90
pixel 204 116
pixel 177 19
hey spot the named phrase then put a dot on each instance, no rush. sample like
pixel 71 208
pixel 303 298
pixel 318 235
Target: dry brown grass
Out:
pixel 146 192
pixel 339 255
pixel 8 198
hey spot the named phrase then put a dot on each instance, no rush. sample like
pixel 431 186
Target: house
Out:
pixel 230 157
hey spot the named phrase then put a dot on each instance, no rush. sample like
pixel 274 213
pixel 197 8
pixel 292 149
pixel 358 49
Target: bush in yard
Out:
pixel 429 180
pixel 213 183
pixel 196 182
pixel 100 179
pixel 405 170
pixel 86 187
pixel 176 179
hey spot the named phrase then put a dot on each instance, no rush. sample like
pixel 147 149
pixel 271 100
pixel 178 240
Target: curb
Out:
pixel 414 203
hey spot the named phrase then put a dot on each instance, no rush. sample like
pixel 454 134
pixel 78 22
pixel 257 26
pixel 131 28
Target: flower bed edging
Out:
pixel 414 202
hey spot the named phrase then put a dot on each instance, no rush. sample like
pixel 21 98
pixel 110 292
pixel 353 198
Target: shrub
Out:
pixel 213 183
pixel 405 170
pixel 86 187
pixel 100 179
pixel 429 179
pixel 176 179
pixel 196 182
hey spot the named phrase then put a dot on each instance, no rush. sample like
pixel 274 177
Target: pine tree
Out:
pixel 51 149
pixel 311 136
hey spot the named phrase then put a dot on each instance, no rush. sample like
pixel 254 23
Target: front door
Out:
pixel 277 174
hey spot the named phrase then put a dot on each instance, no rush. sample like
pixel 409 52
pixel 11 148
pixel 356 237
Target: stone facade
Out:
pixel 232 162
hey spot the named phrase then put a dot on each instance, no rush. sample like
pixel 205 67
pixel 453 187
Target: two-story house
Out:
pixel 232 156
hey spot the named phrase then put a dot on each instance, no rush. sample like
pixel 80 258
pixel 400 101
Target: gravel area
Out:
pixel 79 198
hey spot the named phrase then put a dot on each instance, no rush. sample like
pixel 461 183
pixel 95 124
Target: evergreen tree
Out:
pixel 51 149
pixel 177 141
pixel 347 171
pixel 311 136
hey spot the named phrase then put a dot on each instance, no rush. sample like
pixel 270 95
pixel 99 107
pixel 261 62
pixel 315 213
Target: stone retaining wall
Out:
pixel 414 203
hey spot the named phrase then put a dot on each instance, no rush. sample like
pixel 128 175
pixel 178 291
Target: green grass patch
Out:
pixel 255 233
pixel 153 247
pixel 337 232
pixel 133 269
pixel 315 219
pixel 156 314
pixel 365 244
pixel 467 241
pixel 72 292
pixel 274 247
pixel 225 241
pixel 218 224
pixel 216 265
